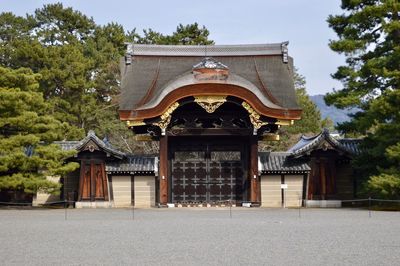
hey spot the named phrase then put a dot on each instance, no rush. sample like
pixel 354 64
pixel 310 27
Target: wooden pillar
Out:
pixel 311 178
pixel 163 171
pixel 253 171
pixel 105 183
pixel 81 177
pixel 323 179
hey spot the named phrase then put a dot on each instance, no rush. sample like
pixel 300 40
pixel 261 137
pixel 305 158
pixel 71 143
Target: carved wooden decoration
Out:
pixel 91 146
pixel 166 118
pixel 163 124
pixel 210 69
pixel 169 111
pixel 254 117
pixel 210 103
pixel 325 146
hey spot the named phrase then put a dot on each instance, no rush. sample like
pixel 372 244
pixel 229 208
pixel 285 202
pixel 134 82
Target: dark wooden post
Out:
pixel 311 178
pixel 104 177
pixel 323 179
pixel 92 192
pixel 163 171
pixel 254 180
pixel 81 177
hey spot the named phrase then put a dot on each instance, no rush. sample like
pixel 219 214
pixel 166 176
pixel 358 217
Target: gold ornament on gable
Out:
pixel 210 103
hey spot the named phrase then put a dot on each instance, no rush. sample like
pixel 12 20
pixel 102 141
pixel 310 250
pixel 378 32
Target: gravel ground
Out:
pixel 199 237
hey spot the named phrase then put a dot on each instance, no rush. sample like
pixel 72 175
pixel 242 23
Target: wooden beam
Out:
pixel 105 183
pixel 163 171
pixel 323 179
pixel 284 122
pixel 253 171
pixel 110 184
pixel 81 177
pixel 92 192
pixel 209 132
pixel 132 190
pixel 270 137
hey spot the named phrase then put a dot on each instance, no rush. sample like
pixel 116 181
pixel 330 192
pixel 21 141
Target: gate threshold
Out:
pixel 222 204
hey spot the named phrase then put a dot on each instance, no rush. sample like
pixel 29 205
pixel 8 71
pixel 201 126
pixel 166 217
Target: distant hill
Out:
pixel 337 115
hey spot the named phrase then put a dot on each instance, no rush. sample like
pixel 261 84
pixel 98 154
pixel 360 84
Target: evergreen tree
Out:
pixel 78 61
pixel 190 34
pixel 26 133
pixel 369 37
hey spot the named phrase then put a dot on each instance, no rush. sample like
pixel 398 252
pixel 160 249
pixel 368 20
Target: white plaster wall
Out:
pixel 271 191
pixel 145 189
pixel 122 191
pixel 294 192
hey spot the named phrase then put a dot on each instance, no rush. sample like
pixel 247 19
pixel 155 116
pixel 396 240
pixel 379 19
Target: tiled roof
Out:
pixel 78 145
pixel 153 68
pixel 134 164
pixel 126 163
pixel 67 145
pixel 307 144
pixel 280 162
pixel 352 145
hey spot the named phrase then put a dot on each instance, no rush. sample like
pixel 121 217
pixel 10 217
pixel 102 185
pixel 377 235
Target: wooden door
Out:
pixel 93 181
pixel 206 172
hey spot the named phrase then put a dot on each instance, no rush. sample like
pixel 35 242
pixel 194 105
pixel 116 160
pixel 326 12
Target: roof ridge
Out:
pixel 207 50
pixel 92 136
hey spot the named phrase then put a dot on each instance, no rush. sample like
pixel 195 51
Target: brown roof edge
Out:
pixel 210 89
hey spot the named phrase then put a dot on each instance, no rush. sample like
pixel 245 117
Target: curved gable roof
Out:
pixel 90 137
pixel 262 69
pixel 306 144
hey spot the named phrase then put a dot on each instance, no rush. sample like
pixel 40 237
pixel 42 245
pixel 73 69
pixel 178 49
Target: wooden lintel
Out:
pixel 283 122
pixel 209 131
pixel 143 138
pixel 135 123
pixel 270 137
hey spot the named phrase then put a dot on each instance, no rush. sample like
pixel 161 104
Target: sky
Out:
pixel 301 22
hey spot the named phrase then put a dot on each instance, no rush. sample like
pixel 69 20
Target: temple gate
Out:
pixel 208 107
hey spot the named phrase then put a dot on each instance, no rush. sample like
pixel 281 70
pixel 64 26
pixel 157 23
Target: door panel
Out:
pixel 93 185
pixel 99 181
pixel 86 181
pixel 207 175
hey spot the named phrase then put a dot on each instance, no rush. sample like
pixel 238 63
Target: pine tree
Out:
pixel 190 34
pixel 27 154
pixel 78 61
pixel 369 37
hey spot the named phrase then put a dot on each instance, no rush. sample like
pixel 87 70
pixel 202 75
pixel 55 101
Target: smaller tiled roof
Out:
pixel 79 145
pixel 67 145
pixel 307 144
pixel 127 163
pixel 280 163
pixel 134 164
pixel 350 144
